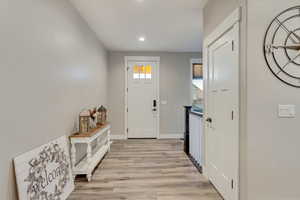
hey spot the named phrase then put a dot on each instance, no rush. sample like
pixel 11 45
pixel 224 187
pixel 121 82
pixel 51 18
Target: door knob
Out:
pixel 209 120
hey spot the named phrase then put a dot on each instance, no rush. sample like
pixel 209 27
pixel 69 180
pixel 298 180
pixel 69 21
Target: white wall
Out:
pixel 216 11
pixel 273 144
pixel 175 87
pixel 51 66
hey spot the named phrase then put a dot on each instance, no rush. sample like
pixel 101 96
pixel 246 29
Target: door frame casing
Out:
pixel 231 21
pixel 141 59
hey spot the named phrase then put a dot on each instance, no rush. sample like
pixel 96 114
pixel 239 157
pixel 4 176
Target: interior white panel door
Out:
pixel 142 99
pixel 223 110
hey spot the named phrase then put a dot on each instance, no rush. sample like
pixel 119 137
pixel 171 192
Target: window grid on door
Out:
pixel 142 72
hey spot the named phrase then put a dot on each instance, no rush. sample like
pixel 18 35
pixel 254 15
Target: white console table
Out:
pixel 100 137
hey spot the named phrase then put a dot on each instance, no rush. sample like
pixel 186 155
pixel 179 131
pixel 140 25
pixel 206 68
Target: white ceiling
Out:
pixel 167 25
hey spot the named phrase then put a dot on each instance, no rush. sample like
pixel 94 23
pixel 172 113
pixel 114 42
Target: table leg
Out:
pixel 73 155
pixel 108 139
pixel 89 160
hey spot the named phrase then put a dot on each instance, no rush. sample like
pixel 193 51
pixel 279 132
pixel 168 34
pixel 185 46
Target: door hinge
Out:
pixel 127 68
pixel 232 115
pixel 232 184
pixel 232 43
pixel 127 109
pixel 127 89
pixel 127 130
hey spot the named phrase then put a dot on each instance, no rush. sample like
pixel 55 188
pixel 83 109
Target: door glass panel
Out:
pixel 136 72
pixel 142 72
pixel 148 72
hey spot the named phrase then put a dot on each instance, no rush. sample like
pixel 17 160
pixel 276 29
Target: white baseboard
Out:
pixel 170 136
pixel 117 137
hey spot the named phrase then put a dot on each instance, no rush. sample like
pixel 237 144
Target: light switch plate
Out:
pixel 287 111
pixel 164 102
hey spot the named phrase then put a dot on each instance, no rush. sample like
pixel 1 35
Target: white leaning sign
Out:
pixel 45 172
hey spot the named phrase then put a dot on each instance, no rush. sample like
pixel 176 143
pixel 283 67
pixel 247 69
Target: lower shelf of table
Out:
pixel 85 168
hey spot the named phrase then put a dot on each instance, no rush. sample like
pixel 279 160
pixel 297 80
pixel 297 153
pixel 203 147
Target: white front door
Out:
pixel 223 113
pixel 142 98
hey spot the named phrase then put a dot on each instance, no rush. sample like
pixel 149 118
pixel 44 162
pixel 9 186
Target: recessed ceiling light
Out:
pixel 140 1
pixel 142 39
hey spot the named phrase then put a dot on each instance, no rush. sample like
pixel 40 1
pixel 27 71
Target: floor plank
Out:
pixel 145 170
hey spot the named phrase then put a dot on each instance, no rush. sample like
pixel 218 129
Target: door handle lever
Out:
pixel 154 103
pixel 209 120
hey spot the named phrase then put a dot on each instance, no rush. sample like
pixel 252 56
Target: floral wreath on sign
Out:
pixel 39 177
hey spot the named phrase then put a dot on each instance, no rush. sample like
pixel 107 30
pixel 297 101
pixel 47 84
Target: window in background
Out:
pixel 197 71
pixel 197 87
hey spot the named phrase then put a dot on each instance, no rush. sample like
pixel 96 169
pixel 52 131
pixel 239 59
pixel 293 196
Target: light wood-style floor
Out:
pixel 145 170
